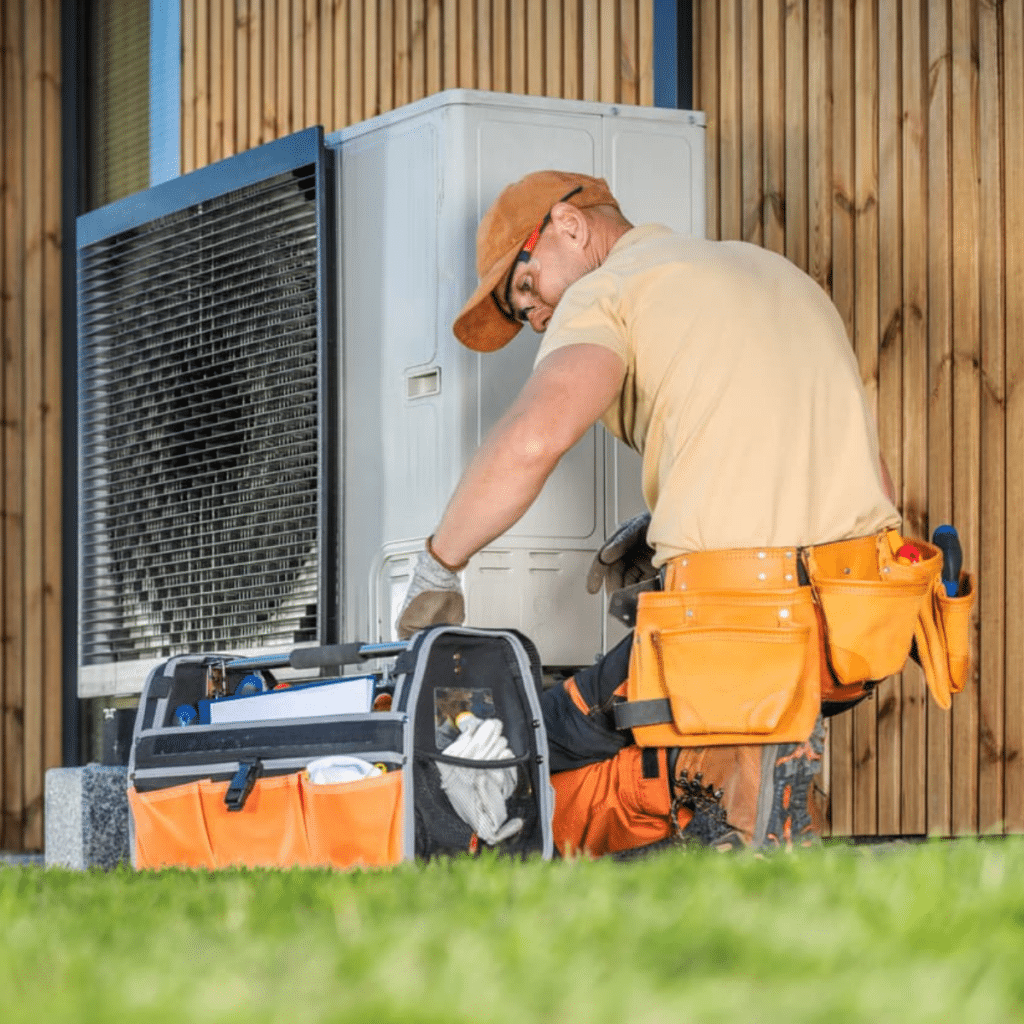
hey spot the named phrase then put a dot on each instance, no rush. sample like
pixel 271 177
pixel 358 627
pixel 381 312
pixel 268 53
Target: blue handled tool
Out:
pixel 946 539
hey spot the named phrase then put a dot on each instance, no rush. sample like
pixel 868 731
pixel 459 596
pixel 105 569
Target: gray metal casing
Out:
pixel 412 186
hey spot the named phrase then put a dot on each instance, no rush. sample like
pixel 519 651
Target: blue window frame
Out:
pixel 673 53
pixel 164 90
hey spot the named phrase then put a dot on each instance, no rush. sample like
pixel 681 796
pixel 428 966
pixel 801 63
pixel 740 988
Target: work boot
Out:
pixel 757 795
pixel 787 812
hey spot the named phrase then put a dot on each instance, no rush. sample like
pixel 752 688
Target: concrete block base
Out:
pixel 86 817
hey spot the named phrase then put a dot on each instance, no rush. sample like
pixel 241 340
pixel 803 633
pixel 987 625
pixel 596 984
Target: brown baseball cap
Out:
pixel 505 227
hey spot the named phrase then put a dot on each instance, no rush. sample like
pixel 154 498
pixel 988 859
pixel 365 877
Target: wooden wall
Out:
pixel 880 145
pixel 254 70
pixel 30 387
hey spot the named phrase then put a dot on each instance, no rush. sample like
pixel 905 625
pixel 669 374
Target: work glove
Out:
pixel 625 559
pixel 434 597
pixel 479 795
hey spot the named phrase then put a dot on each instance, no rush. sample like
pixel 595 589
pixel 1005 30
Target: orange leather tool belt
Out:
pixel 742 646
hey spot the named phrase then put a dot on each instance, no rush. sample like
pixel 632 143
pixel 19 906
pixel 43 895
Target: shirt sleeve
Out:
pixel 587 314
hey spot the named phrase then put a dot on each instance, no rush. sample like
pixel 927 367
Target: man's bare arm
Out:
pixel 566 394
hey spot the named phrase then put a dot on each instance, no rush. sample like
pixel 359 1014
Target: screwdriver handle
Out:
pixel 946 539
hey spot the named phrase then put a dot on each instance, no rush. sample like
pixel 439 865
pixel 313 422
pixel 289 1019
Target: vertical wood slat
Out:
pixel 796 134
pixel 730 181
pixel 188 88
pixel 484 59
pixel 53 370
pixel 229 141
pixel 501 71
pixel 442 46
pixel 282 71
pixel 842 209
pixel 202 82
pixel 240 88
pixel 418 64
pixel 608 52
pixel 772 214
pixel 217 150
pixel 371 92
pixel 645 57
pixel 297 49
pixel 311 61
pixel 269 121
pixel 534 47
pixel 890 374
pixel 325 64
pixel 517 46
pixel 966 380
pixel 992 533
pixel 1013 127
pixel 940 441
pixel 588 36
pixel 11 645
pixel 751 118
pixel 254 49
pixel 914 493
pixel 553 66
pixel 386 58
pixel 33 454
pixel 819 166
pixel 579 79
pixel 467 44
pixel 403 57
pixel 707 98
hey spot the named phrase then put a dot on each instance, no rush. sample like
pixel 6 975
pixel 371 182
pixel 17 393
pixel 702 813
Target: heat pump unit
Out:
pixel 273 410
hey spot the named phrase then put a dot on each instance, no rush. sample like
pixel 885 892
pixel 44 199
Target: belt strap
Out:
pixel 631 713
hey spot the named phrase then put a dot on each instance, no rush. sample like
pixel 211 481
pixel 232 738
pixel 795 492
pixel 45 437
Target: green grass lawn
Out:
pixel 931 932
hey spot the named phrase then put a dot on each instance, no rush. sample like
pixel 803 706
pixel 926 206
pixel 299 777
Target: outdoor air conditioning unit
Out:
pixel 273 410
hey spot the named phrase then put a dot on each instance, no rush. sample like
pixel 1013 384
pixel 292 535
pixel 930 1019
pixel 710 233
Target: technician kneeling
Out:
pixel 730 371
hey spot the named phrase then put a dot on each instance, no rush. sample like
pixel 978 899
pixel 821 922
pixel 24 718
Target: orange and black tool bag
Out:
pixel 218 794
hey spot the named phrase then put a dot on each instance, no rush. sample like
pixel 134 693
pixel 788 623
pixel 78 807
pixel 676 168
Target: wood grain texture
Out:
pixel 992 491
pixel 913 494
pixel 12 300
pixel 890 373
pixel 940 358
pixel 1013 135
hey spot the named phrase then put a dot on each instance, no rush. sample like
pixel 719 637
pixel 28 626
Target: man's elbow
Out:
pixel 537 448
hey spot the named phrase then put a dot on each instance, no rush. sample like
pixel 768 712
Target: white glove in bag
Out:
pixel 478 795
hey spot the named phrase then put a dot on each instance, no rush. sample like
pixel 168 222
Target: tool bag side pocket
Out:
pixel 954 615
pixel 170 829
pixel 727 668
pixel 354 824
pixel 870 604
pixel 943 640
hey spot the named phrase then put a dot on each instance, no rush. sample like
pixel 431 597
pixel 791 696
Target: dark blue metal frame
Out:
pixel 168 197
pixel 280 156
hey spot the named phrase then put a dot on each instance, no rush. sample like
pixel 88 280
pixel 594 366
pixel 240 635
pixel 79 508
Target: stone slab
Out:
pixel 86 817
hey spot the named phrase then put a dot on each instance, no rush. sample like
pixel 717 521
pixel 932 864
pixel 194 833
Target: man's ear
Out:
pixel 571 224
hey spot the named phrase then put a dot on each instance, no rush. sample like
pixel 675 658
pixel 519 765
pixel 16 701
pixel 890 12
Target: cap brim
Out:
pixel 481 326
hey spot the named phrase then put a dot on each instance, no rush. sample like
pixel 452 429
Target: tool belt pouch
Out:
pixel 943 639
pixel 715 668
pixel 873 607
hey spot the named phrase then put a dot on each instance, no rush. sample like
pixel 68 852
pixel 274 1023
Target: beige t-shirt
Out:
pixel 742 393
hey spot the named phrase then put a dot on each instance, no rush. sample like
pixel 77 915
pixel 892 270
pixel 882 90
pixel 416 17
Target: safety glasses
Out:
pixel 525 254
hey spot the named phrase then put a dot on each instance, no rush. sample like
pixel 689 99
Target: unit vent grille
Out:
pixel 199 365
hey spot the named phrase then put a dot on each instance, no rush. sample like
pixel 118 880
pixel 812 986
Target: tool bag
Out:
pixel 247 792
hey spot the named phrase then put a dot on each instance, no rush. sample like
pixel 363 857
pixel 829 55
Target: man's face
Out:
pixel 538 285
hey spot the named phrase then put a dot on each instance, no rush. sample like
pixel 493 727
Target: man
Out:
pixel 729 370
